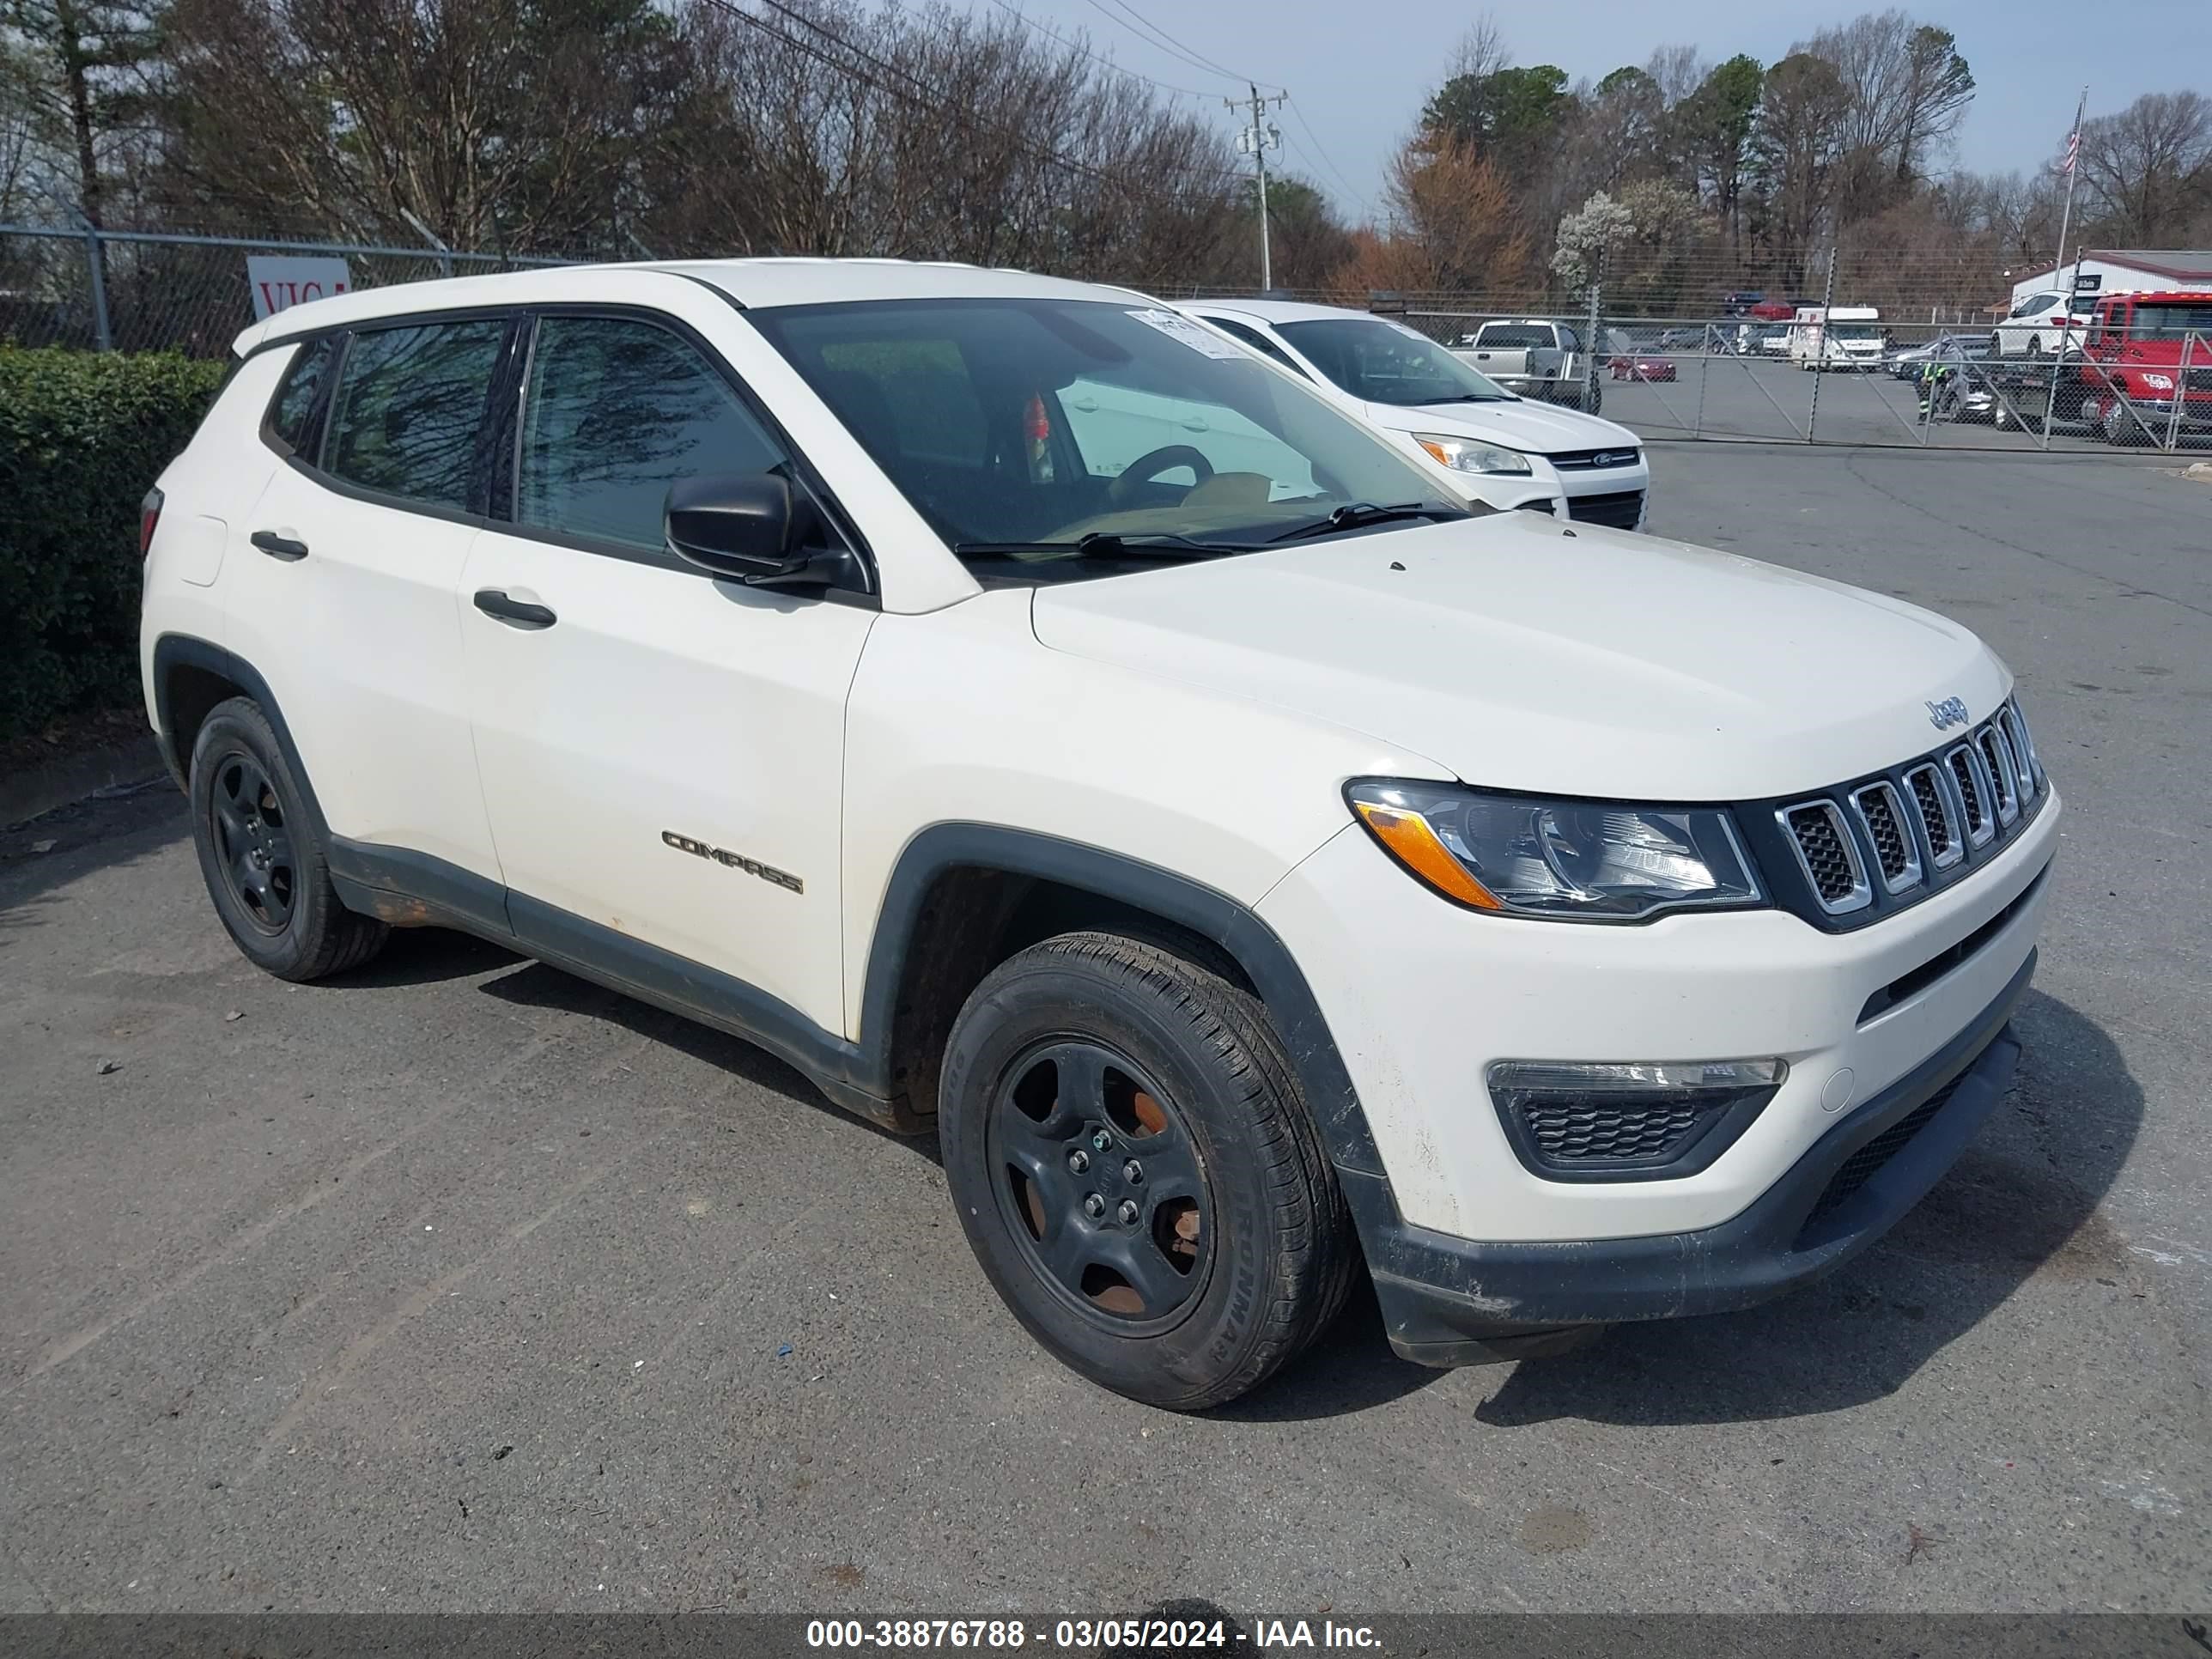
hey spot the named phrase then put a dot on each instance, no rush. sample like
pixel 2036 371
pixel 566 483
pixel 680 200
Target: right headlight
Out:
pixel 1564 859
pixel 1467 455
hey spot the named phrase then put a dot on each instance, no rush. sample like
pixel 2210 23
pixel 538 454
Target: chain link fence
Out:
pixel 1859 382
pixel 1930 375
pixel 140 291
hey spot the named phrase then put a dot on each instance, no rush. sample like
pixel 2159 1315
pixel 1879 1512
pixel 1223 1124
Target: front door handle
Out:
pixel 278 547
pixel 493 602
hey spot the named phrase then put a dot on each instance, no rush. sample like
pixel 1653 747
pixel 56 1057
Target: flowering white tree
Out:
pixel 1584 236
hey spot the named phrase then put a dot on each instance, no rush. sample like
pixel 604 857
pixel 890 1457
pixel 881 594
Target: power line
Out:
pixel 1076 47
pixel 1153 36
pixel 1351 189
pixel 924 96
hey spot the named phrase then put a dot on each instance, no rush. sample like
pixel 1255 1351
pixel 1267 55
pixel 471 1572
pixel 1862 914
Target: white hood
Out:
pixel 1519 423
pixel 1516 654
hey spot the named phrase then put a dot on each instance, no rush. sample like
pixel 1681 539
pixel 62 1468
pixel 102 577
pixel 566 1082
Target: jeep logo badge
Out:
pixel 1951 712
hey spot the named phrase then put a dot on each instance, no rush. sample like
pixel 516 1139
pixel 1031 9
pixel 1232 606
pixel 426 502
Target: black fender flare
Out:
pixel 175 651
pixel 1211 914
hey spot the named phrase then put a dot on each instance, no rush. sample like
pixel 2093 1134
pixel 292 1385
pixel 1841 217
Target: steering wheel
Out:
pixel 1148 466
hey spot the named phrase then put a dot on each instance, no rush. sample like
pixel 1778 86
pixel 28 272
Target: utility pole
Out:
pixel 1256 141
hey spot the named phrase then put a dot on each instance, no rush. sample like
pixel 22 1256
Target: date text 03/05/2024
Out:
pixel 1091 1635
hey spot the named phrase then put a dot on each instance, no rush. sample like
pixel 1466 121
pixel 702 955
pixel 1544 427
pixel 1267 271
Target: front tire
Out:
pixel 1137 1171
pixel 262 855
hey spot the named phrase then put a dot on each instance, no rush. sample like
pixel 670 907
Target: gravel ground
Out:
pixel 462 1284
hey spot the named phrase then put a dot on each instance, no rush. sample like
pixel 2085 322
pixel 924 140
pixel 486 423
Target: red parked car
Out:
pixel 1627 367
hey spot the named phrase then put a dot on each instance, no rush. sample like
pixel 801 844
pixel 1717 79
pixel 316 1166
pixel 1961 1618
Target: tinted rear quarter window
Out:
pixel 1259 342
pixel 297 402
pixel 409 409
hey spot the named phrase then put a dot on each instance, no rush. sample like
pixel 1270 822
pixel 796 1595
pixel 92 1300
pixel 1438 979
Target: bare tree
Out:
pixel 1907 88
pixel 2149 170
pixel 1801 135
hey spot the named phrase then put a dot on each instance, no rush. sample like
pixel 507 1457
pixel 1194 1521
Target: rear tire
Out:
pixel 264 858
pixel 1137 1171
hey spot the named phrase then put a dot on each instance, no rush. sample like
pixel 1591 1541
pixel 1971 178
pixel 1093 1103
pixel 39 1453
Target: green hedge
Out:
pixel 82 435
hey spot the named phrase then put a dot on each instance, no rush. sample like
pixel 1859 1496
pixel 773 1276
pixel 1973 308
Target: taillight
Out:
pixel 149 514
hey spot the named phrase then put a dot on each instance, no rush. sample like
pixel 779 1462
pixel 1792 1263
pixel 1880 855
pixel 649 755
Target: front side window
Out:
pixel 1063 420
pixel 410 404
pixel 617 409
pixel 295 404
pixel 1380 363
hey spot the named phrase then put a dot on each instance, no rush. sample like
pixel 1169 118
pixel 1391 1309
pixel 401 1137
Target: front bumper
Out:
pixel 1451 1301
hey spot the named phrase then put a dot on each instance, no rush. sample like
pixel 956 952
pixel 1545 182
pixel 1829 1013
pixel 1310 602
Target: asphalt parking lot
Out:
pixel 462 1284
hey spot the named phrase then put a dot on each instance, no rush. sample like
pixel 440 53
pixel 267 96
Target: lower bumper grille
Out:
pixel 1622 510
pixel 1863 1165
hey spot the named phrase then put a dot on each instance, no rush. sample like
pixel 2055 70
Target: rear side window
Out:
pixel 410 404
pixel 299 399
pixel 1259 342
pixel 618 410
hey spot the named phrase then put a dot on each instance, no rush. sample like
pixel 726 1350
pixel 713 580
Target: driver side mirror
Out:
pixel 748 527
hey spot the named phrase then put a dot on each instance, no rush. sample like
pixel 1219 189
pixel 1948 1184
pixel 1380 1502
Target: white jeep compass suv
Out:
pixel 1255 867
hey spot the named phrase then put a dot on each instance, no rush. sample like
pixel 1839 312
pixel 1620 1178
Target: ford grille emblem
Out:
pixel 1946 713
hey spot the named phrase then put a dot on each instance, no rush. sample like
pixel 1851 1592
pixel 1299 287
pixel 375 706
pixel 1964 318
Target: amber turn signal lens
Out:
pixel 1408 838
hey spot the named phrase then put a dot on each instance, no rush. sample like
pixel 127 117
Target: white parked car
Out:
pixel 1256 868
pixel 1517 452
pixel 2048 324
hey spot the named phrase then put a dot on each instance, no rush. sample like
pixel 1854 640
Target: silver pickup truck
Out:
pixel 1534 358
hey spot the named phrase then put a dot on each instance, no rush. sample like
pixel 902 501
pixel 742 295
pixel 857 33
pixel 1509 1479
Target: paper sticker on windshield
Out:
pixel 1178 327
pixel 1408 328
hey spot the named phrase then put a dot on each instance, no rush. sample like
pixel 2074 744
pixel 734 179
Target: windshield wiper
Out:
pixel 1101 544
pixel 1357 515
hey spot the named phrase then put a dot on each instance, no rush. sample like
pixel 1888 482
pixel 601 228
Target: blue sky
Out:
pixel 1357 73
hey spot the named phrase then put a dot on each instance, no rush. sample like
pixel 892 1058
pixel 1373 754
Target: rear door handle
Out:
pixel 278 547
pixel 493 602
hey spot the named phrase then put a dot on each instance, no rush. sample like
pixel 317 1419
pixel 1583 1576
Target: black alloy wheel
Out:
pixel 1133 1162
pixel 253 841
pixel 1101 1184
pixel 263 851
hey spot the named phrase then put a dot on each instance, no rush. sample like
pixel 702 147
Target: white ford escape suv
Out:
pixel 1254 867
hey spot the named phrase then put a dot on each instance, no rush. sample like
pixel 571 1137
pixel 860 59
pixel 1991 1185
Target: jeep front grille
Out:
pixel 1867 846
pixel 1896 854
pixel 1828 856
pixel 1937 821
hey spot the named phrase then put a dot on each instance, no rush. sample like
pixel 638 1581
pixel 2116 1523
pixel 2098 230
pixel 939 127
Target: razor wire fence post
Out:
pixel 1711 338
pixel 103 336
pixel 445 253
pixel 1589 340
pixel 1821 351
pixel 2180 392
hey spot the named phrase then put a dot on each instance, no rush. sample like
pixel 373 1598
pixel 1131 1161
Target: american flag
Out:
pixel 2073 148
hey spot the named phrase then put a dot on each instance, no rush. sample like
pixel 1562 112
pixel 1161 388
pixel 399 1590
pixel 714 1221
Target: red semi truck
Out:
pixel 2144 353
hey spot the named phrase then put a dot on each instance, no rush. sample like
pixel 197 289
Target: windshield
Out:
pixel 1381 362
pixel 1019 427
pixel 2171 321
pixel 1855 331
